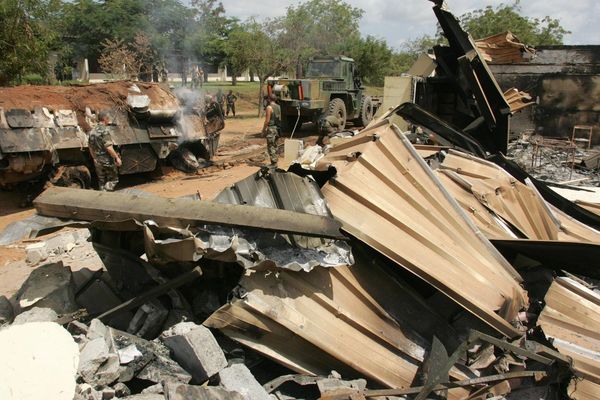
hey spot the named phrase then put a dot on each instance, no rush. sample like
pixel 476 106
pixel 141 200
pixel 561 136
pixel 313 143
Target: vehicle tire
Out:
pixel 72 176
pixel 287 124
pixel 337 107
pixel 366 111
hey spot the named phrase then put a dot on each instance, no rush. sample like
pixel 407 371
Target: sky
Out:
pixel 399 21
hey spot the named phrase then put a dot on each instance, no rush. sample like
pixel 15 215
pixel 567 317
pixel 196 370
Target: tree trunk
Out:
pixel 299 71
pixel 261 81
pixel 251 75
pixel 233 76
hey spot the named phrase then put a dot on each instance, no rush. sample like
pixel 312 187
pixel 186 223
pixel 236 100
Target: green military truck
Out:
pixel 331 87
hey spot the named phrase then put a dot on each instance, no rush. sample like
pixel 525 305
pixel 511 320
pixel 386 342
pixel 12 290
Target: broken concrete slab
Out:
pixel 93 354
pixel 36 253
pixel 108 206
pixel 36 314
pixel 163 369
pixel 49 286
pixel 179 391
pixel 195 348
pixel 145 396
pixel 39 361
pixel 238 378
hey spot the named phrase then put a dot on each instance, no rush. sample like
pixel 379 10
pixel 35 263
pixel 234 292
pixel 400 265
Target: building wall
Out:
pixel 565 81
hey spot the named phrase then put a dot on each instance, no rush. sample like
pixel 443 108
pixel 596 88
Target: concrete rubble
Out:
pixel 386 267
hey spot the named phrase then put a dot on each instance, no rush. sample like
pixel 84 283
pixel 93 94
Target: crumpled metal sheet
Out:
pixel 255 249
pixel 571 319
pixel 326 319
pixel 386 196
pixel 517 203
pixel 251 249
pixel 33 226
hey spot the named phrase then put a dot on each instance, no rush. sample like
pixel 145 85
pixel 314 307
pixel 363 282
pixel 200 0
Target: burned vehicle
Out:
pixel 43 130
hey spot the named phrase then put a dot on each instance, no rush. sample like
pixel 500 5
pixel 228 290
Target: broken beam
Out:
pixel 89 205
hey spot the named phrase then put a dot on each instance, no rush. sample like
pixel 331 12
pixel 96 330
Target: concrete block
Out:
pixel 238 378
pixel 156 389
pixel 39 361
pixel 145 396
pixel 36 315
pixel 7 313
pixel 36 253
pixel 163 369
pixel 180 391
pixel 93 354
pixel 121 390
pixel 48 286
pixel 195 348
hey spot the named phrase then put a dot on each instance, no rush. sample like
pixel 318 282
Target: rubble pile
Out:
pixel 554 164
pixel 379 269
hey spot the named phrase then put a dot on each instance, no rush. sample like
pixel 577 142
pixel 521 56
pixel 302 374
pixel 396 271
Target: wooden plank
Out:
pixel 89 205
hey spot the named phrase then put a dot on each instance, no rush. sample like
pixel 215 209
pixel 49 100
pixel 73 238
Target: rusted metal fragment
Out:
pixel 386 196
pixel 322 320
pixel 571 319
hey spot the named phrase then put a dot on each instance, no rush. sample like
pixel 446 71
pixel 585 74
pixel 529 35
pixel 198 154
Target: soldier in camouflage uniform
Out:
pixel 328 126
pixel 106 159
pixel 272 127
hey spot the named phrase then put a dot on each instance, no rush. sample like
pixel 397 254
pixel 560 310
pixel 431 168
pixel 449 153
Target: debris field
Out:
pixel 376 267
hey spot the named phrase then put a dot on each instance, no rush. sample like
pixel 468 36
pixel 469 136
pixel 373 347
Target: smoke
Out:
pixel 188 120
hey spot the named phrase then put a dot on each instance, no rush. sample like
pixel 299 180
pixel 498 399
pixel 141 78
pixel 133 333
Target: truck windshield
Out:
pixel 323 69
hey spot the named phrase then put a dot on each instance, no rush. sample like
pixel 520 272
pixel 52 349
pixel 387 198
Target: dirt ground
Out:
pixel 242 150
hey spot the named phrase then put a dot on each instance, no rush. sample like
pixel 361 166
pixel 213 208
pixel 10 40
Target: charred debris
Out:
pixel 387 270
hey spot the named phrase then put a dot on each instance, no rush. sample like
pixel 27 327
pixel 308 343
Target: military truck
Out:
pixel 43 130
pixel 331 87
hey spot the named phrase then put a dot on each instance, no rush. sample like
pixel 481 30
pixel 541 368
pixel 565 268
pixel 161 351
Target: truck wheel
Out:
pixel 337 107
pixel 366 111
pixel 287 123
pixel 72 176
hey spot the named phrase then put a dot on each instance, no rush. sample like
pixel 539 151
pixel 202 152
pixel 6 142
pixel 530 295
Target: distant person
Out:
pixel 231 99
pixel 272 127
pixel 195 77
pixel 328 126
pixel 201 76
pixel 221 99
pixel 106 159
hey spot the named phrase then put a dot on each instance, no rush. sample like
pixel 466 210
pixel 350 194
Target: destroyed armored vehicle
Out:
pixel 331 87
pixel 43 130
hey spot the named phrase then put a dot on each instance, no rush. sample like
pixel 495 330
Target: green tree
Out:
pixel 489 21
pixel 373 57
pixel 317 27
pixel 27 34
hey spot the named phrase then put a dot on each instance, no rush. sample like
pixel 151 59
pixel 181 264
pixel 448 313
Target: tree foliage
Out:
pixel 489 21
pixel 157 33
pixel 27 35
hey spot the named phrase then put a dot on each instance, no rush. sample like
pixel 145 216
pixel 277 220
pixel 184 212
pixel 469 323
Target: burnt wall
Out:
pixel 565 81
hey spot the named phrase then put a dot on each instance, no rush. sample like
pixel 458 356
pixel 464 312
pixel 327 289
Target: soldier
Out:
pixel 328 125
pixel 106 159
pixel 231 99
pixel 272 127
pixel 201 76
pixel 195 77
pixel 220 99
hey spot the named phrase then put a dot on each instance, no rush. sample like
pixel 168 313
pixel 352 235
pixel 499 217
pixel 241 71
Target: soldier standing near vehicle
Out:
pixel 328 126
pixel 272 127
pixel 221 100
pixel 106 159
pixel 231 99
